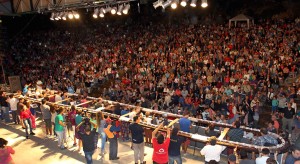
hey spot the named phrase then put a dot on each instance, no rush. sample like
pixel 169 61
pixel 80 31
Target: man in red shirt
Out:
pixel 160 146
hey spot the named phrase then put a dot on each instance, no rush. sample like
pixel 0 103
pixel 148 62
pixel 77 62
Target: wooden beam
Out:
pixel 173 122
pixel 223 134
pixel 84 103
pixel 62 100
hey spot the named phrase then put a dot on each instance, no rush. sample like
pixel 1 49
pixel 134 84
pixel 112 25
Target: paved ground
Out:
pixel 41 150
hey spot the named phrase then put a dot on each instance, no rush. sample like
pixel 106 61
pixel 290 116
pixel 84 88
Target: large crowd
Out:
pixel 229 75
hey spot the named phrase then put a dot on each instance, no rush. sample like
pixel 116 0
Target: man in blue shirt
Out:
pixel 174 147
pixel 294 156
pixel 185 126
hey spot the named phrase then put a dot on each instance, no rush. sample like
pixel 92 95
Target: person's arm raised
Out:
pixel 156 130
pixel 168 133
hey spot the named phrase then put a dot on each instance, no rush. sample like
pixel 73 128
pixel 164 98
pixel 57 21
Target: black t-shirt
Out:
pixel 88 141
pixel 288 114
pixel 174 146
pixel 137 133
pixel 3 101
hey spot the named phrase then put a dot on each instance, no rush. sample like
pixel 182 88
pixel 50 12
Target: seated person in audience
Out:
pixel 210 131
pixel 265 139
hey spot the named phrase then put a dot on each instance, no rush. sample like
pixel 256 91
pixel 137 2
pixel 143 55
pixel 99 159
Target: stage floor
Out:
pixel 41 150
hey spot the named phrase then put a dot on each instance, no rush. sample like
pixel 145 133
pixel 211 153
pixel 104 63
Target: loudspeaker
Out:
pixel 14 83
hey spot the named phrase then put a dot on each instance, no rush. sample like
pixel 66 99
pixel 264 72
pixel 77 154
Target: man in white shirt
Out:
pixel 13 103
pixel 212 151
pixel 264 156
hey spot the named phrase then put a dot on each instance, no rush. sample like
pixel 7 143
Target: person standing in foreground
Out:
pixel 88 143
pixel 138 144
pixel 25 116
pixel 13 103
pixel 265 154
pixel 294 155
pixel 111 133
pixel 160 146
pixel 185 126
pixel 45 109
pixel 5 152
pixel 101 124
pixel 212 151
pixel 59 127
pixel 174 147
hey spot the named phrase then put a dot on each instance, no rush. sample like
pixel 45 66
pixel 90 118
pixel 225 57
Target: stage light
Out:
pixel 60 15
pixel 193 3
pixel 96 12
pixel 70 15
pixel 183 3
pixel 107 9
pixel 102 11
pixel 204 3
pixel 56 16
pixel 166 4
pixel 76 15
pixel 64 17
pixel 120 8
pixel 174 4
pixel 126 9
pixel 52 16
pixel 157 3
pixel 113 10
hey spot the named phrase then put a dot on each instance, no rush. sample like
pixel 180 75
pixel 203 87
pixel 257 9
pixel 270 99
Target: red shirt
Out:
pixel 160 151
pixel 25 114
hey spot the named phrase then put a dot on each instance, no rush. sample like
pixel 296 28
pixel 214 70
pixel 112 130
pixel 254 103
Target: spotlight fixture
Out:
pixel 76 15
pixel 70 15
pixel 183 3
pixel 60 15
pixel 64 17
pixel 57 16
pixel 113 10
pixel 52 16
pixel 96 11
pixel 204 3
pixel 166 4
pixel 107 9
pixel 158 3
pixel 102 11
pixel 120 8
pixel 193 3
pixel 126 9
pixel 174 4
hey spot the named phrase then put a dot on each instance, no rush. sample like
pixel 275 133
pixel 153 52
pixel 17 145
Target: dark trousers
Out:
pixel 15 117
pixel 113 148
pixel 26 126
pixel 89 157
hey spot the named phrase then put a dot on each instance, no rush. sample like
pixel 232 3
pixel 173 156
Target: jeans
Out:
pixel 5 114
pixel 113 148
pixel 138 150
pixel 103 141
pixel 27 124
pixel 15 117
pixel 175 158
pixel 289 123
pixel 89 157
pixel 60 135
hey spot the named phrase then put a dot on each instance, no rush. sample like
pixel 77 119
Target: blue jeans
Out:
pixel 88 157
pixel 27 124
pixel 103 140
pixel 175 158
